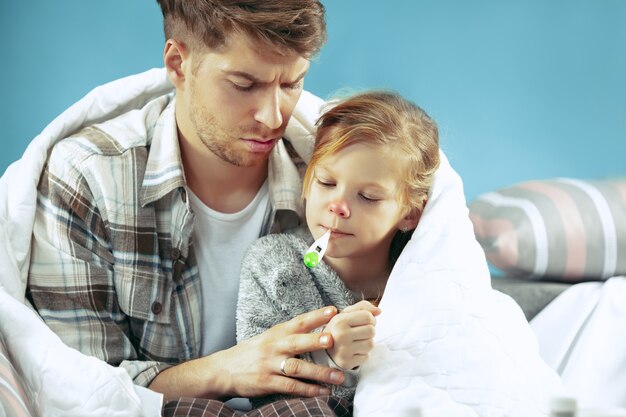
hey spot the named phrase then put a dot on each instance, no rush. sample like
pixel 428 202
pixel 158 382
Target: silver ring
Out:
pixel 282 366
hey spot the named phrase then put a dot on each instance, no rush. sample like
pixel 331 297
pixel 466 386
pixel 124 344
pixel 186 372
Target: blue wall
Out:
pixel 521 89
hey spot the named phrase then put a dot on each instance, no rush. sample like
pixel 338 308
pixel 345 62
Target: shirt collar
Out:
pixel 164 168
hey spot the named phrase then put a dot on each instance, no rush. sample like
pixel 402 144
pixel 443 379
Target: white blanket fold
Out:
pixel 446 342
pixel 61 381
pixel 581 335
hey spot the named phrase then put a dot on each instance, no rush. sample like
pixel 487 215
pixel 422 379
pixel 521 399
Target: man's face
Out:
pixel 240 99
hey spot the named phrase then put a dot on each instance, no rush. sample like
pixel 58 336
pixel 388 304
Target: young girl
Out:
pixel 368 180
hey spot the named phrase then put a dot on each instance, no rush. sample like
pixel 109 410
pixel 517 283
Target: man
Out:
pixel 142 220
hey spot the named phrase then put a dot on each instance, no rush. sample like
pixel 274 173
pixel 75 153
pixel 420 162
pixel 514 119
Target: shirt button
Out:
pixel 157 307
pixel 175 254
pixel 183 195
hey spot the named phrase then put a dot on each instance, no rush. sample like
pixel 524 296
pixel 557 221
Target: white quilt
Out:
pixel 581 336
pixel 62 382
pixel 446 342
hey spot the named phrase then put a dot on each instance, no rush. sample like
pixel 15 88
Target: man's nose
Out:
pixel 268 112
pixel 340 208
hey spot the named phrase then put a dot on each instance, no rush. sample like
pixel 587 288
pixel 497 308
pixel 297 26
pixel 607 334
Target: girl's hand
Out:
pixel 353 333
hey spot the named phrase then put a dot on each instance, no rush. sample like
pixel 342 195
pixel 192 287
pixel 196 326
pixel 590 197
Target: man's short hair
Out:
pixel 283 25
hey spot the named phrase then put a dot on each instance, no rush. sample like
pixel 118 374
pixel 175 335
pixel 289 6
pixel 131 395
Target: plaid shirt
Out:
pixel 113 270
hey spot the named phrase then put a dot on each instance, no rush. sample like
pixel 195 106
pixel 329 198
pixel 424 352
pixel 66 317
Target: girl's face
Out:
pixel 354 192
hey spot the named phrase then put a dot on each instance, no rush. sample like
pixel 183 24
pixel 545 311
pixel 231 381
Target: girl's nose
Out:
pixel 340 208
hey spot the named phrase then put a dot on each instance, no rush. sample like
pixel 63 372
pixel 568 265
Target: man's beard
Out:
pixel 222 143
pixel 214 138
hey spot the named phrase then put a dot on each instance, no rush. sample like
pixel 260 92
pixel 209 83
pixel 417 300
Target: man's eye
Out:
pixel 240 87
pixel 294 86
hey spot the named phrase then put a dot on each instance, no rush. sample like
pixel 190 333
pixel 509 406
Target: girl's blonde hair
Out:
pixel 386 119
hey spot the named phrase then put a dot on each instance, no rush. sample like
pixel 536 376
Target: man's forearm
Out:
pixel 198 378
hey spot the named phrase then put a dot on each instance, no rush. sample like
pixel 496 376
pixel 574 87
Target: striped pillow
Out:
pixel 562 229
pixel 13 399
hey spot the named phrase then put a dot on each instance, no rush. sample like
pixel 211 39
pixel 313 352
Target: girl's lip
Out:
pixel 335 232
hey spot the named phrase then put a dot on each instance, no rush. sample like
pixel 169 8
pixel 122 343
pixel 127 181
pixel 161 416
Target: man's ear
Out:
pixel 175 57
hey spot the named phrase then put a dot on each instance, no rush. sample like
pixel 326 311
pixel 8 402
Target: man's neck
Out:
pixel 222 186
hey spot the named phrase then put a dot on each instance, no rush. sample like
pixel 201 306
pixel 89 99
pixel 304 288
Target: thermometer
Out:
pixel 315 253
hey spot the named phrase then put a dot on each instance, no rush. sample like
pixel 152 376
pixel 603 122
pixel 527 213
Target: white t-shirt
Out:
pixel 220 241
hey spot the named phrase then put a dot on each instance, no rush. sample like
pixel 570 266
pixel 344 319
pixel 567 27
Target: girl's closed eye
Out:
pixel 369 199
pixel 324 182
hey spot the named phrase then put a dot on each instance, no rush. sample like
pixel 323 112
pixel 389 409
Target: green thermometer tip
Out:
pixel 316 251
pixel 311 259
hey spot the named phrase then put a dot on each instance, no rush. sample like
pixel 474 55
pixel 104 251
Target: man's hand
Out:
pixel 353 334
pixel 253 367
